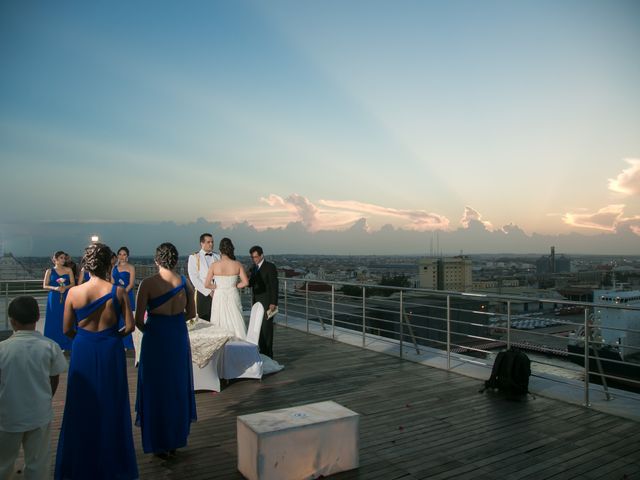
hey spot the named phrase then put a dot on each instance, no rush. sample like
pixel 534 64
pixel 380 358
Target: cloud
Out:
pixel 302 209
pixel 42 238
pixel 606 219
pixel 471 215
pixel 339 215
pixel 627 182
pixel 419 220
pixel 631 224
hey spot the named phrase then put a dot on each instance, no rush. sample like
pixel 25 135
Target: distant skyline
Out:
pixel 41 239
pixel 322 127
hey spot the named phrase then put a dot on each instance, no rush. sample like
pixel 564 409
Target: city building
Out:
pixel 452 273
pixel 552 263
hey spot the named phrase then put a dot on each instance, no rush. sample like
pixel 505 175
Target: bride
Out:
pixel 222 278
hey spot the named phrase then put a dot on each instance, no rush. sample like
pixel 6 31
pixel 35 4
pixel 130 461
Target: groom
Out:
pixel 264 287
pixel 199 263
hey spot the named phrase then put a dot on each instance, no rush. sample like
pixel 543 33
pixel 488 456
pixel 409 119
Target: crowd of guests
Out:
pixel 96 318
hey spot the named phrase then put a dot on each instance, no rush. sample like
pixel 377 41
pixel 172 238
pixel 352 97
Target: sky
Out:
pixel 322 126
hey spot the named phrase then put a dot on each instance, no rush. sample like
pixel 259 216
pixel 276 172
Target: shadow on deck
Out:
pixel 416 421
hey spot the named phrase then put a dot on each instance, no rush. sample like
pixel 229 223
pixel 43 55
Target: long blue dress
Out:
pixel 122 280
pixel 96 438
pixel 55 312
pixel 165 403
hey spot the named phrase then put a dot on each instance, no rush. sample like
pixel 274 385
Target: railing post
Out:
pixel 448 332
pixel 587 333
pixel 333 311
pixel 6 305
pixel 286 309
pixel 364 315
pixel 401 315
pixel 306 304
pixel 508 324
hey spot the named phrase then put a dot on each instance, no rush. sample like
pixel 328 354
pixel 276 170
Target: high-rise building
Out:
pixel 553 264
pixel 452 273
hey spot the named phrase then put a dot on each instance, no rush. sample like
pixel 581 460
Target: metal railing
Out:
pixel 469 327
pixel 465 327
pixel 10 289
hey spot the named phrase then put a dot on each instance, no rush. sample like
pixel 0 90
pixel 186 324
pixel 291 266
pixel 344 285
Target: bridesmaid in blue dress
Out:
pixel 96 438
pixel 165 402
pixel 124 275
pixel 58 280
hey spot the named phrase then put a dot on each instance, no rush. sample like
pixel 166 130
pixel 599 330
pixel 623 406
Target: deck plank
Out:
pixel 416 421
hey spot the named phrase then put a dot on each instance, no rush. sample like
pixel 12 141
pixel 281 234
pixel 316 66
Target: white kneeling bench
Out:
pixel 299 442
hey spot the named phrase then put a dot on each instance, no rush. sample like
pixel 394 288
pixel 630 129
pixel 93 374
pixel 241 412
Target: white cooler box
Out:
pixel 299 442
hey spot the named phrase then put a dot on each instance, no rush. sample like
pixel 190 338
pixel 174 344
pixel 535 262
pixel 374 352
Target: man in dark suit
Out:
pixel 264 287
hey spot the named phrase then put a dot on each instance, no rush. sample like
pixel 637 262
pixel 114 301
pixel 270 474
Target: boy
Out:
pixel 30 368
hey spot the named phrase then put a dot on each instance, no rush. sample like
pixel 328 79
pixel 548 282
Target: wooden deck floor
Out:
pixel 416 422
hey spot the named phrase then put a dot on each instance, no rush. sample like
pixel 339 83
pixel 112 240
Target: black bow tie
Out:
pixel 208 254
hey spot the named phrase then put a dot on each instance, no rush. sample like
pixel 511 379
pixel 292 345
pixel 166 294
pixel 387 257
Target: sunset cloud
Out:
pixel 411 219
pixel 606 219
pixel 627 182
pixel 339 215
pixel 300 207
pixel 471 215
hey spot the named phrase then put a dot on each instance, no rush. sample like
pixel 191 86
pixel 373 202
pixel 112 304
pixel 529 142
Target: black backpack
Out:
pixel 510 374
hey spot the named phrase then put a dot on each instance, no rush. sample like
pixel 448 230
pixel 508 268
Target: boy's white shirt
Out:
pixel 25 391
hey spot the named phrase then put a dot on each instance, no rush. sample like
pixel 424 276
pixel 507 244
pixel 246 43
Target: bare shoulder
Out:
pixel 147 282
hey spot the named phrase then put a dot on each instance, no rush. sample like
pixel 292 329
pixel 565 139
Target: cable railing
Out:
pixel 473 327
pixel 460 327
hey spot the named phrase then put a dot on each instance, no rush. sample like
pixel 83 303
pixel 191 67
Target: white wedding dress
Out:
pixel 226 314
pixel 226 308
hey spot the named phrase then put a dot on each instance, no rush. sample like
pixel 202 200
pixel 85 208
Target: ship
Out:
pixel 614 340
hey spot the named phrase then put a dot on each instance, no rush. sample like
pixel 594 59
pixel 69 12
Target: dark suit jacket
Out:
pixel 264 284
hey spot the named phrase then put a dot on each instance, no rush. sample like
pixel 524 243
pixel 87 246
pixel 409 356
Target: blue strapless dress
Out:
pixel 86 277
pixel 96 438
pixel 122 280
pixel 55 312
pixel 165 403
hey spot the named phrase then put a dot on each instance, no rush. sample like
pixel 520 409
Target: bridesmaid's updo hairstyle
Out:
pixel 59 253
pixel 227 248
pixel 167 255
pixel 125 249
pixel 97 259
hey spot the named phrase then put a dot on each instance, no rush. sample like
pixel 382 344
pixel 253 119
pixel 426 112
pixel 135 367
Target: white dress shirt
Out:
pixel 27 360
pixel 198 267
